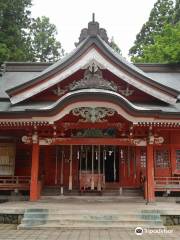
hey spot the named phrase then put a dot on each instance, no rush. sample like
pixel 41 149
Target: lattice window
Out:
pixel 178 159
pixel 162 159
pixel 7 158
pixel 143 158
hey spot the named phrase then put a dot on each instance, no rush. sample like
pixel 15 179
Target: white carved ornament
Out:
pixel 42 141
pixel 93 78
pixel 90 114
pixel 150 140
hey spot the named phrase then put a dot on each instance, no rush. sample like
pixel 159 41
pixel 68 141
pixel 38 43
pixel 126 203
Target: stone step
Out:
pixel 86 216
pixel 97 199
pixel 92 217
pixel 100 213
pixel 108 191
pixel 56 191
pixel 53 218
pixel 117 193
pixel 132 191
pixel 89 221
pixel 88 226
pixel 111 192
pixel 90 193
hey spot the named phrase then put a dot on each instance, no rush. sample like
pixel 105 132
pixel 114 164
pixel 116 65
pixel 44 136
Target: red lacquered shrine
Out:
pixel 92 121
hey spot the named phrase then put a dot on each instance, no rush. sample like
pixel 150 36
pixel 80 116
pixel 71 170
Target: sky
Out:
pixel 122 19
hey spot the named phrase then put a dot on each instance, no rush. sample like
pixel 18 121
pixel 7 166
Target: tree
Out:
pixel 115 47
pixel 177 12
pixel 14 20
pixel 165 49
pixel 160 15
pixel 44 45
pixel 23 38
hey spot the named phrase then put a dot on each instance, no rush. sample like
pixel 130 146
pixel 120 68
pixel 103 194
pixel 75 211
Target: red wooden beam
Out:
pixel 92 141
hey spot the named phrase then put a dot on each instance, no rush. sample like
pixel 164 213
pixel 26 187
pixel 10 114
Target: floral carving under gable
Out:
pixel 90 114
pixel 93 78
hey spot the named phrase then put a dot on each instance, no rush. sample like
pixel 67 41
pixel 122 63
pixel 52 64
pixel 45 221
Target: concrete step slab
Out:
pixel 85 226
pixel 89 220
pixel 92 217
pixel 56 218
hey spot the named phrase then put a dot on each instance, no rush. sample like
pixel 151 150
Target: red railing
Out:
pixel 167 183
pixel 15 182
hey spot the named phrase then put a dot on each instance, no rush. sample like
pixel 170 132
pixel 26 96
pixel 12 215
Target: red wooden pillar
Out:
pixel 150 194
pixel 145 189
pixel 34 186
pixel 70 168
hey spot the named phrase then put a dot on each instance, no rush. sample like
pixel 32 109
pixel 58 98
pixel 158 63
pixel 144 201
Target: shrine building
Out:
pixel 90 122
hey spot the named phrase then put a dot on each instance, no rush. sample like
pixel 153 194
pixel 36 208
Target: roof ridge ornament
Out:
pixel 93 30
pixel 93 17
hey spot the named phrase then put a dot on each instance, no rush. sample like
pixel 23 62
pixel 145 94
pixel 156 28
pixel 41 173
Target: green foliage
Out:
pixel 160 15
pixel 176 18
pixel 23 38
pixel 115 47
pixel 165 49
pixel 44 45
pixel 4 52
pixel 14 20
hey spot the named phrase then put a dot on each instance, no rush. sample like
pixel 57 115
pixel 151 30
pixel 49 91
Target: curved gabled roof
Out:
pixel 95 38
pixel 89 98
pixel 77 52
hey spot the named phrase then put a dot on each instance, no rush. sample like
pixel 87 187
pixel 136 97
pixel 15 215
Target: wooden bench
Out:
pixel 167 184
pixel 14 182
